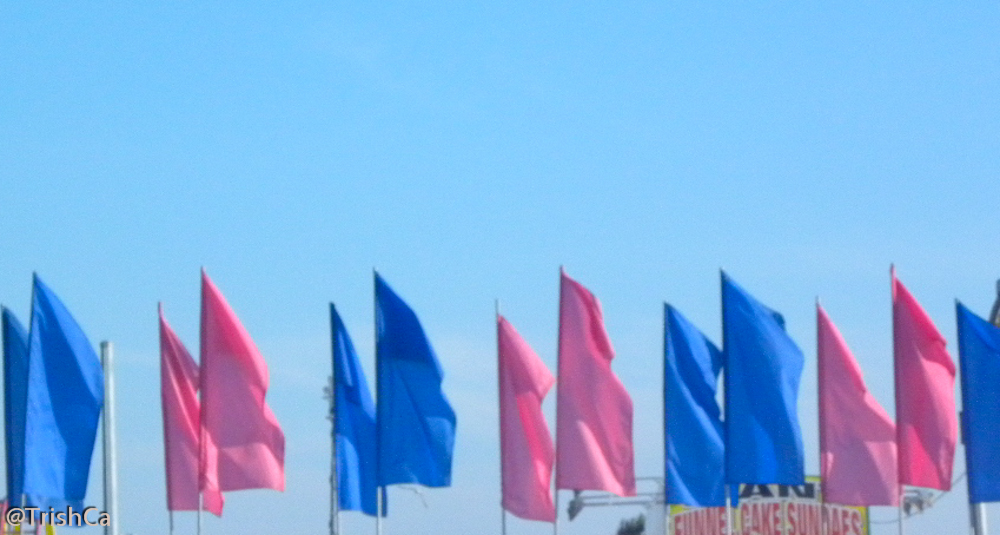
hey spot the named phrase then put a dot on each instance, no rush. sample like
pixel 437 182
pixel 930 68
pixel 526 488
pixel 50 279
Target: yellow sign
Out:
pixel 773 510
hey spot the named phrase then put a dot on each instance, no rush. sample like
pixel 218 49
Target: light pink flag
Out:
pixel 857 437
pixel 245 448
pixel 526 451
pixel 594 411
pixel 181 424
pixel 926 422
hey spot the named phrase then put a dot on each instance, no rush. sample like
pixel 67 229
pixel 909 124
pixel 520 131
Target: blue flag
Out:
pixel 416 425
pixel 763 370
pixel 354 421
pixel 696 455
pixel 979 358
pixel 15 387
pixel 65 396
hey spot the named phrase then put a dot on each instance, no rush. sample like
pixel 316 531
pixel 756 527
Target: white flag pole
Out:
pixel 110 440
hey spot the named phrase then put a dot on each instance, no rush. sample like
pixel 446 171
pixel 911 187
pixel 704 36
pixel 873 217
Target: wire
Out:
pixel 930 502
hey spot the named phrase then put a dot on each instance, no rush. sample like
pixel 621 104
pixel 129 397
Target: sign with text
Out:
pixel 773 510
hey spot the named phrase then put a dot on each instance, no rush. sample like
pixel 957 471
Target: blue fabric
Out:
pixel 416 424
pixel 979 358
pixel 15 383
pixel 65 396
pixel 696 456
pixel 354 420
pixel 763 369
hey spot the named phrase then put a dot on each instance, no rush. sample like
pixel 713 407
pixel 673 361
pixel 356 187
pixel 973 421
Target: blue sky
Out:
pixel 467 151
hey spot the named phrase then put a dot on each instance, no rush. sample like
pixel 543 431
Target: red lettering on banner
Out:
pixel 856 522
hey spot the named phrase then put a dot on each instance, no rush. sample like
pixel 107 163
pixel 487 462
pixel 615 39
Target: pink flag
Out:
pixel 245 448
pixel 926 423
pixel 526 451
pixel 181 424
pixel 857 437
pixel 594 411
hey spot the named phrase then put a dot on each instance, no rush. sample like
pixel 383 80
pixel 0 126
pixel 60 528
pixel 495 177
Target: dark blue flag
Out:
pixel 416 424
pixel 15 387
pixel 763 370
pixel 696 455
pixel 354 421
pixel 65 396
pixel 979 358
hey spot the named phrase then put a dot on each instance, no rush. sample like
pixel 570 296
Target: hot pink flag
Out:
pixel 926 423
pixel 181 424
pixel 857 437
pixel 526 451
pixel 245 448
pixel 594 411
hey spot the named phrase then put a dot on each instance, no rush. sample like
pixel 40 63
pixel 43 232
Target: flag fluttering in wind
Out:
pixel 15 388
pixel 65 397
pixel 979 357
pixel 526 450
pixel 594 448
pixel 416 424
pixel 354 425
pixel 182 425
pixel 926 424
pixel 857 437
pixel 244 447
pixel 695 441
pixel 763 370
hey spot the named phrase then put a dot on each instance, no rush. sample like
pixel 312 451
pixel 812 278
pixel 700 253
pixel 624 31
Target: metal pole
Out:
pixel 334 475
pixel 895 379
pixel 378 518
pixel 503 511
pixel 902 501
pixel 378 410
pixel 110 439
pixel 729 513
pixel 555 525
pixel 979 509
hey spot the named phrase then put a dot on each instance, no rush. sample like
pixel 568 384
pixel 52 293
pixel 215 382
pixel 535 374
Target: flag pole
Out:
pixel 666 428
pixel 503 512
pixel 170 514
pixel 110 448
pixel 895 378
pixel 555 494
pixel 201 408
pixel 820 390
pixel 380 490
pixel 725 401
pixel 900 510
pixel 979 509
pixel 334 476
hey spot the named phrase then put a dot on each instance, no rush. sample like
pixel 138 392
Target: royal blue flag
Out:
pixel 15 387
pixel 979 358
pixel 696 455
pixel 416 424
pixel 763 369
pixel 354 421
pixel 65 396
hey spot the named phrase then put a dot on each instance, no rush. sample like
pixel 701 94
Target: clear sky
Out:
pixel 466 151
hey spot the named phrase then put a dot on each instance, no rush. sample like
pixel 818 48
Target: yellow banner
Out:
pixel 773 510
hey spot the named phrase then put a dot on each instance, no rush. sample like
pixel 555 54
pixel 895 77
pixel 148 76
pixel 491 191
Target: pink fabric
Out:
pixel 181 424
pixel 245 448
pixel 926 422
pixel 857 437
pixel 594 411
pixel 526 450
